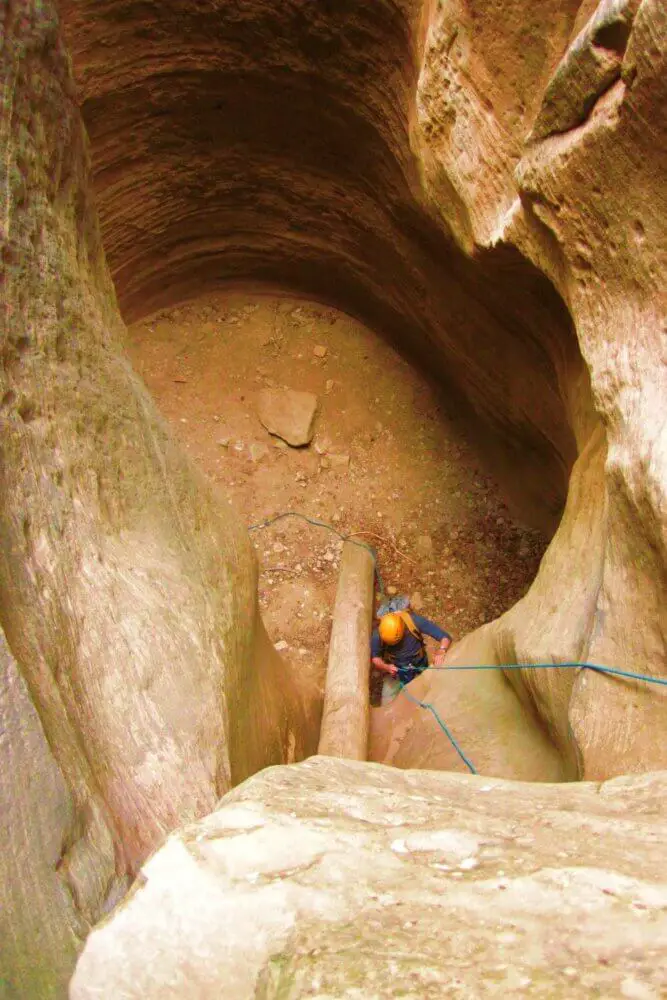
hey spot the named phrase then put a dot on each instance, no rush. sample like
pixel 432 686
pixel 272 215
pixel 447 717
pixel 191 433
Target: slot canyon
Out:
pixel 445 221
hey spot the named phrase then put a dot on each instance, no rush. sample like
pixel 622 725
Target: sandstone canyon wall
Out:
pixel 482 182
pixel 127 593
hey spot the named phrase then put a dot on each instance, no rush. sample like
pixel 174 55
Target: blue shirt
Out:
pixel 409 650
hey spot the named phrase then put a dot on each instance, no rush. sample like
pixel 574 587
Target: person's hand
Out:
pixel 439 657
pixel 391 669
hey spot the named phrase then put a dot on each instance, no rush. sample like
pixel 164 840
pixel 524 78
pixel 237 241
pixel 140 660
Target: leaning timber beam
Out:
pixel 345 719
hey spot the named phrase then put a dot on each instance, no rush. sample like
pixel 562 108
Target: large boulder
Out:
pixel 340 879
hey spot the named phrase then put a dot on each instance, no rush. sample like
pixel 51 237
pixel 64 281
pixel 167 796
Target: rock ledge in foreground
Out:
pixel 337 878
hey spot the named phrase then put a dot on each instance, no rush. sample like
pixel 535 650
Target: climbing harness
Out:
pixel 614 671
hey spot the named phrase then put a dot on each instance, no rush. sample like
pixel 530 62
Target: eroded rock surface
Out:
pixel 482 182
pixel 338 879
pixel 127 591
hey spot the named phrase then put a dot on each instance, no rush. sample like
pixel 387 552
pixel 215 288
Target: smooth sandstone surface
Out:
pixel 482 182
pixel 341 879
pixel 127 591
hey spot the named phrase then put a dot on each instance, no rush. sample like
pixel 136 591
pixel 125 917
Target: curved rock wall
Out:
pixel 441 169
pixel 589 207
pixel 375 155
pixel 274 146
pixel 127 593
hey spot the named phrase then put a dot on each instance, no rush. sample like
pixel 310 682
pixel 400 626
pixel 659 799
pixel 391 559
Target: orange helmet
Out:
pixel 392 629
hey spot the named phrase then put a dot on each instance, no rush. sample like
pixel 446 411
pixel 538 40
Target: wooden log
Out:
pixel 345 719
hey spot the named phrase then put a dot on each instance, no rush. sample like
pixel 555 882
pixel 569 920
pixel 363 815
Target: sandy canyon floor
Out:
pixel 385 464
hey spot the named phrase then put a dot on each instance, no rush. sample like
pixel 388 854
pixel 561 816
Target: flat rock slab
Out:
pixel 337 878
pixel 288 414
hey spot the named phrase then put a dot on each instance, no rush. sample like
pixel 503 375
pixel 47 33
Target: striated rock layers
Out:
pixel 340 879
pixel 483 182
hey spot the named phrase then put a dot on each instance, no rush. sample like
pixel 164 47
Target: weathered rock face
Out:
pixel 37 821
pixel 585 198
pixel 427 166
pixel 481 181
pixel 337 879
pixel 275 146
pixel 127 593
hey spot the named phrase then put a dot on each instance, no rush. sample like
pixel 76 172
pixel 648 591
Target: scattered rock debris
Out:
pixel 390 467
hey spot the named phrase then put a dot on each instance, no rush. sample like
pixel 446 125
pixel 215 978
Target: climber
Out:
pixel 397 645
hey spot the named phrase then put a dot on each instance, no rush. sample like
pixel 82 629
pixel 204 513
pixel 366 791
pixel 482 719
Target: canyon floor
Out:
pixel 412 488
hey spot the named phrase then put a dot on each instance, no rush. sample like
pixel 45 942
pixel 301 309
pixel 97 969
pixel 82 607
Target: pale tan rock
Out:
pixel 499 889
pixel 288 414
pixel 527 276
pixel 417 601
pixel 423 547
pixel 257 451
pixel 345 713
pixel 127 589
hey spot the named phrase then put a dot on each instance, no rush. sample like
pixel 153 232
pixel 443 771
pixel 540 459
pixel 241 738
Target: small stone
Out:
pixel 183 420
pixel 391 591
pixel 216 418
pixel 329 556
pixel 320 351
pixel 223 442
pixel 279 443
pixel 329 385
pixel 417 601
pixel 325 463
pixel 339 461
pixel 257 451
pixel 280 646
pixel 423 546
pixel 239 446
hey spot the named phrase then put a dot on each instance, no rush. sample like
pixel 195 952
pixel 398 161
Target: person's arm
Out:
pixel 376 656
pixel 386 668
pixel 428 627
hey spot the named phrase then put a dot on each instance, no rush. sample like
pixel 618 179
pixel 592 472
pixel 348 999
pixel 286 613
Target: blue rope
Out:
pixel 323 524
pixel 521 666
pixel 615 671
pixel 426 704
pixel 560 666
